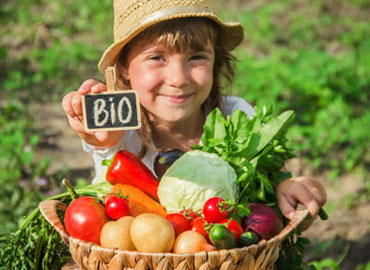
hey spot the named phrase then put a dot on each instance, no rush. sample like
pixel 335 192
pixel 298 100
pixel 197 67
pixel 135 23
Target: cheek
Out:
pixel 203 77
pixel 143 80
pixel 144 83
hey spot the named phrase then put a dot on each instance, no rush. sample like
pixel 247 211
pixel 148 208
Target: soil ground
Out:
pixel 345 227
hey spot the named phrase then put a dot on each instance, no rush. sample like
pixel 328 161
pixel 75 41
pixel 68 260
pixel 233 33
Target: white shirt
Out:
pixel 131 141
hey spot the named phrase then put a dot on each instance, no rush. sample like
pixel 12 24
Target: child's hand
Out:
pixel 72 105
pixel 303 189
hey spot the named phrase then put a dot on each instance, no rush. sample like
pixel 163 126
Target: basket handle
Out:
pixel 300 214
pixel 49 210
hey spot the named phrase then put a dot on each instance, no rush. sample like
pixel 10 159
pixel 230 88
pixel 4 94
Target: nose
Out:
pixel 177 73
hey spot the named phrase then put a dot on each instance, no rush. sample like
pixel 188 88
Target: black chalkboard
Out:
pixel 111 110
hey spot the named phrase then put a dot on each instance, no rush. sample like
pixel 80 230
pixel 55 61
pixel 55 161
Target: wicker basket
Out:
pixel 261 256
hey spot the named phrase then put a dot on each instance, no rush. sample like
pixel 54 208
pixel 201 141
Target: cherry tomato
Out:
pixel 84 219
pixel 234 227
pixel 179 222
pixel 105 199
pixel 215 209
pixel 117 207
pixel 198 225
pixel 189 214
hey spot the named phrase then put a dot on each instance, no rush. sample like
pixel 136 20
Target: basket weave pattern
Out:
pixel 91 256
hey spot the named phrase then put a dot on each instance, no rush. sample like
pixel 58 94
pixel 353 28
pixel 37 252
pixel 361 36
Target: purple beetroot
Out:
pixel 263 221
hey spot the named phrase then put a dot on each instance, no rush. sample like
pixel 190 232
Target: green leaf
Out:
pixel 242 125
pixel 214 127
pixel 274 127
pixel 243 210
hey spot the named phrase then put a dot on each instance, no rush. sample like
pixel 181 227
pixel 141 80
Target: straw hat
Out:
pixel 133 16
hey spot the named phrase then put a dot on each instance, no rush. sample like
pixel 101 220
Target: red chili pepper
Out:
pixel 126 168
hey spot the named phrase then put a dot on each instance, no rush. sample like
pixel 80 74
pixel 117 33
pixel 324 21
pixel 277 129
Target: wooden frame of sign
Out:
pixel 111 110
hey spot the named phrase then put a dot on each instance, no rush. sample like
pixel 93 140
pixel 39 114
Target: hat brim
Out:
pixel 233 35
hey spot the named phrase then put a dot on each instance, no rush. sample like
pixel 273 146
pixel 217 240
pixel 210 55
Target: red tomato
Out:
pixel 117 207
pixel 198 226
pixel 179 222
pixel 106 198
pixel 189 214
pixel 215 209
pixel 234 227
pixel 84 219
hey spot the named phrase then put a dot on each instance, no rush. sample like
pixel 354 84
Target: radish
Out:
pixel 263 221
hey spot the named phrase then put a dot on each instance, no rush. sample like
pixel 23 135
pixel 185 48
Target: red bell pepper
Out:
pixel 126 168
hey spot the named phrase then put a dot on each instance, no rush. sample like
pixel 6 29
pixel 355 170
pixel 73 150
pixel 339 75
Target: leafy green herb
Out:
pixel 36 245
pixel 255 147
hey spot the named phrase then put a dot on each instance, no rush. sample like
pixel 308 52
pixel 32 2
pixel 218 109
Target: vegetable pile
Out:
pixel 36 245
pixel 220 195
pixel 114 225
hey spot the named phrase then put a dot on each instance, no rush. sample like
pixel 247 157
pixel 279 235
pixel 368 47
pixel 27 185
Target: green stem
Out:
pixel 107 162
pixel 39 247
pixel 70 189
pixel 30 217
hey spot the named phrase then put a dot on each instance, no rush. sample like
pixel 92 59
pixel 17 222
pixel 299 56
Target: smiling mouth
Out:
pixel 176 99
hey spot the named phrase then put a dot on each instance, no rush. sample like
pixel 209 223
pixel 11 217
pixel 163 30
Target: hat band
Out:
pixel 172 12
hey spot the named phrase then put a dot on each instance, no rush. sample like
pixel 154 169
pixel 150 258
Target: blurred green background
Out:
pixel 311 56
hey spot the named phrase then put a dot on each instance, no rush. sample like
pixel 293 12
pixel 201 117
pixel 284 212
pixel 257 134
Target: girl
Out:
pixel 176 55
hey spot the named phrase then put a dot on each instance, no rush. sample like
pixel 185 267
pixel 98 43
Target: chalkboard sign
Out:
pixel 111 110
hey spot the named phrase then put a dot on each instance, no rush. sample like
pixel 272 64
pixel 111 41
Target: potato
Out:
pixel 152 233
pixel 189 242
pixel 116 234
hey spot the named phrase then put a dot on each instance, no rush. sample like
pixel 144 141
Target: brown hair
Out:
pixel 181 35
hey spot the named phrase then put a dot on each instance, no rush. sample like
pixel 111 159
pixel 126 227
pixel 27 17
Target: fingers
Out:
pixel 76 103
pixel 93 86
pixel 286 205
pixel 306 194
pixel 68 105
pixel 297 193
pixel 72 105
pixel 305 190
pixel 85 87
pixel 97 88
pixel 316 189
pixel 312 206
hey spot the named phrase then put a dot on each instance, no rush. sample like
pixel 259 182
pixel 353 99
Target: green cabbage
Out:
pixel 195 177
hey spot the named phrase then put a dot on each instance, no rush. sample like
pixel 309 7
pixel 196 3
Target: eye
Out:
pixel 156 57
pixel 198 57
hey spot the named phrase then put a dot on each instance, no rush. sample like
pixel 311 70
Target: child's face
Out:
pixel 172 85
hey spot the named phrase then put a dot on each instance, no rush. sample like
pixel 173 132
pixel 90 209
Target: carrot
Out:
pixel 139 201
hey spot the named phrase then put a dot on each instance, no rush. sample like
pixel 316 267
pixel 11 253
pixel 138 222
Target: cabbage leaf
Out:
pixel 195 177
